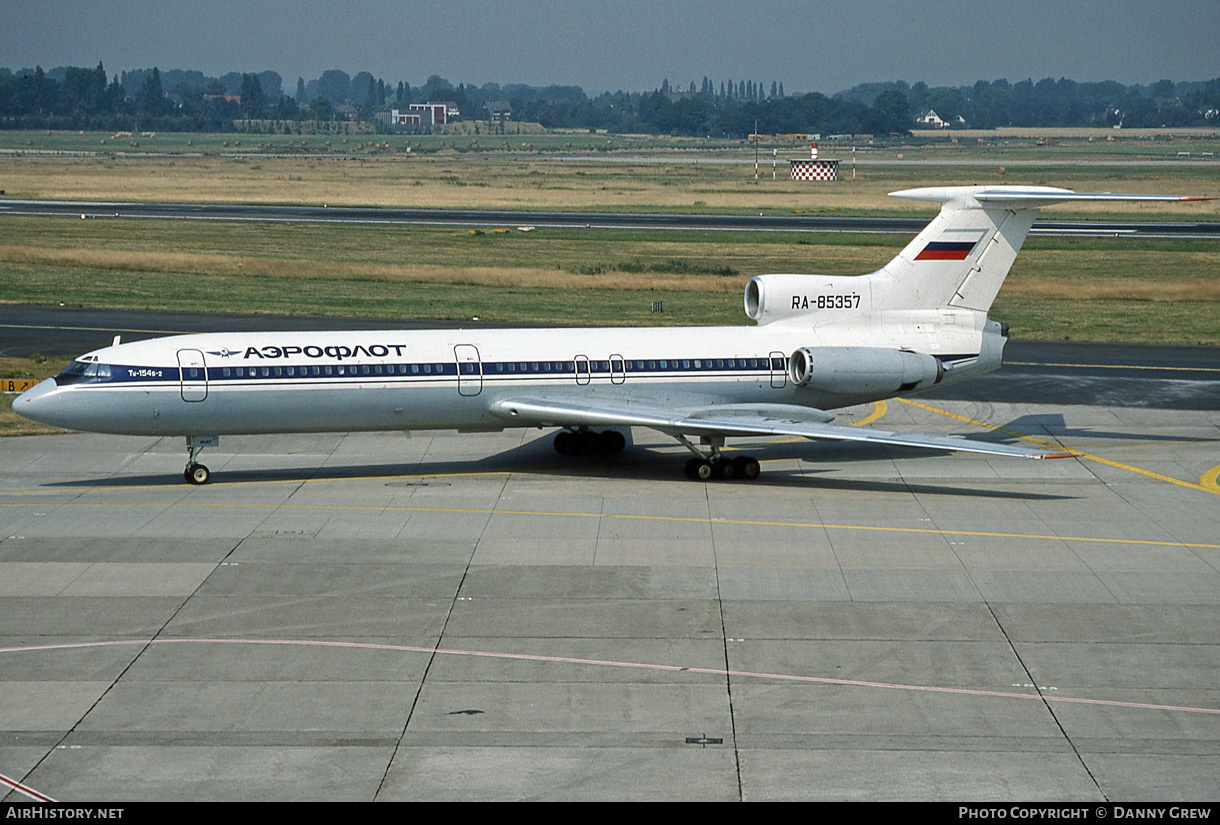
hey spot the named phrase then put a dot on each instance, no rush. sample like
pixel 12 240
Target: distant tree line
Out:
pixel 77 98
pixel 179 100
pixel 1062 102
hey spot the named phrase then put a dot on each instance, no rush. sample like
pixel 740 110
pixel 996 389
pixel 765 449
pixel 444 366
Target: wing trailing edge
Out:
pixel 737 421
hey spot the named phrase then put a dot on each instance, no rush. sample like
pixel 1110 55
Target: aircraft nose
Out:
pixel 34 403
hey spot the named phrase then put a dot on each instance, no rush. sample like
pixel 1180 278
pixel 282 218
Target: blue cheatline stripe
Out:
pixel 489 369
pixel 638 368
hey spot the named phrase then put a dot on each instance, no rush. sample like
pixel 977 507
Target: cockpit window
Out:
pixel 79 371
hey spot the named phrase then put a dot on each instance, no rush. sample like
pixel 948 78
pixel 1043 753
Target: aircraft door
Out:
pixel 779 370
pixel 193 373
pixel 583 375
pixel 618 372
pixel 469 369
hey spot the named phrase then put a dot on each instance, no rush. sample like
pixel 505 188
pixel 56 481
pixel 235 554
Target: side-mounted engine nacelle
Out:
pixel 863 370
pixel 825 298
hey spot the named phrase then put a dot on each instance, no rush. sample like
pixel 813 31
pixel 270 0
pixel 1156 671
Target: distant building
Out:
pixel 420 114
pixel 431 114
pixel 930 118
pixel 389 117
pixel 498 110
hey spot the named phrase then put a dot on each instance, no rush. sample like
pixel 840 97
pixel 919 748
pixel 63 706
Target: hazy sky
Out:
pixel 628 44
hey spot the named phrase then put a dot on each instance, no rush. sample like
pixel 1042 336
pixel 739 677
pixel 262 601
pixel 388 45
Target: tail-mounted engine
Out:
pixel 863 370
pixel 822 298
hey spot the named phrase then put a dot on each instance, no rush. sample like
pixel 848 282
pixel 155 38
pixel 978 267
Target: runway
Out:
pixel 450 616
pixel 573 220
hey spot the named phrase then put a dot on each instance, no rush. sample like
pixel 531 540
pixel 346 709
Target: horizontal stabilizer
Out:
pixel 1025 197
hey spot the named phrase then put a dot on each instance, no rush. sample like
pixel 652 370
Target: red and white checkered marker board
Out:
pixel 815 170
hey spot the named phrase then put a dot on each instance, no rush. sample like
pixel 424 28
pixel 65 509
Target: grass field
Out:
pixel 1082 288
pixel 1089 289
pixel 566 185
pixel 641 173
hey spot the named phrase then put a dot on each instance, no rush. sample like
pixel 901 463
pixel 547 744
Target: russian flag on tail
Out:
pixel 946 251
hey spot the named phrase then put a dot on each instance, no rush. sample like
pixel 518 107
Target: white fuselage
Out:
pixel 235 383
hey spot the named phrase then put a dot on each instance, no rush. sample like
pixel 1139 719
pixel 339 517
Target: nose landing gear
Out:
pixel 195 472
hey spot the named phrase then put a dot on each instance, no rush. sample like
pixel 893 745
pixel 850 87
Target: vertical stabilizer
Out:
pixel 961 258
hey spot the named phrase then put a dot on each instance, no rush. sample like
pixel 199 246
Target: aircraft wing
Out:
pixel 738 420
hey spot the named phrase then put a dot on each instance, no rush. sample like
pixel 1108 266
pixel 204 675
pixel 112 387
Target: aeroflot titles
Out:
pixel 313 351
pixel 337 352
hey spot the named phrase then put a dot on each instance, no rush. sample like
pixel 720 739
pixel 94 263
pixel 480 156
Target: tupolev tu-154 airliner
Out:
pixel 820 343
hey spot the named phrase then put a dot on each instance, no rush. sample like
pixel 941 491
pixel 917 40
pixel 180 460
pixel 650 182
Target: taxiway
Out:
pixel 445 616
pixel 572 220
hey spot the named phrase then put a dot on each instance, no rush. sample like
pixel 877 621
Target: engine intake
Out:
pixel 822 298
pixel 863 370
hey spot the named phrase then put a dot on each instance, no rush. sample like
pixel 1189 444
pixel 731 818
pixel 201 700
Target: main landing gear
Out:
pixel 705 469
pixel 714 465
pixel 706 465
pixel 195 472
pixel 587 442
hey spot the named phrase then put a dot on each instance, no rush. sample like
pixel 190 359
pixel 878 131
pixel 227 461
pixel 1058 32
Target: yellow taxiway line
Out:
pixel 1210 480
pixel 880 408
pixel 1203 484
